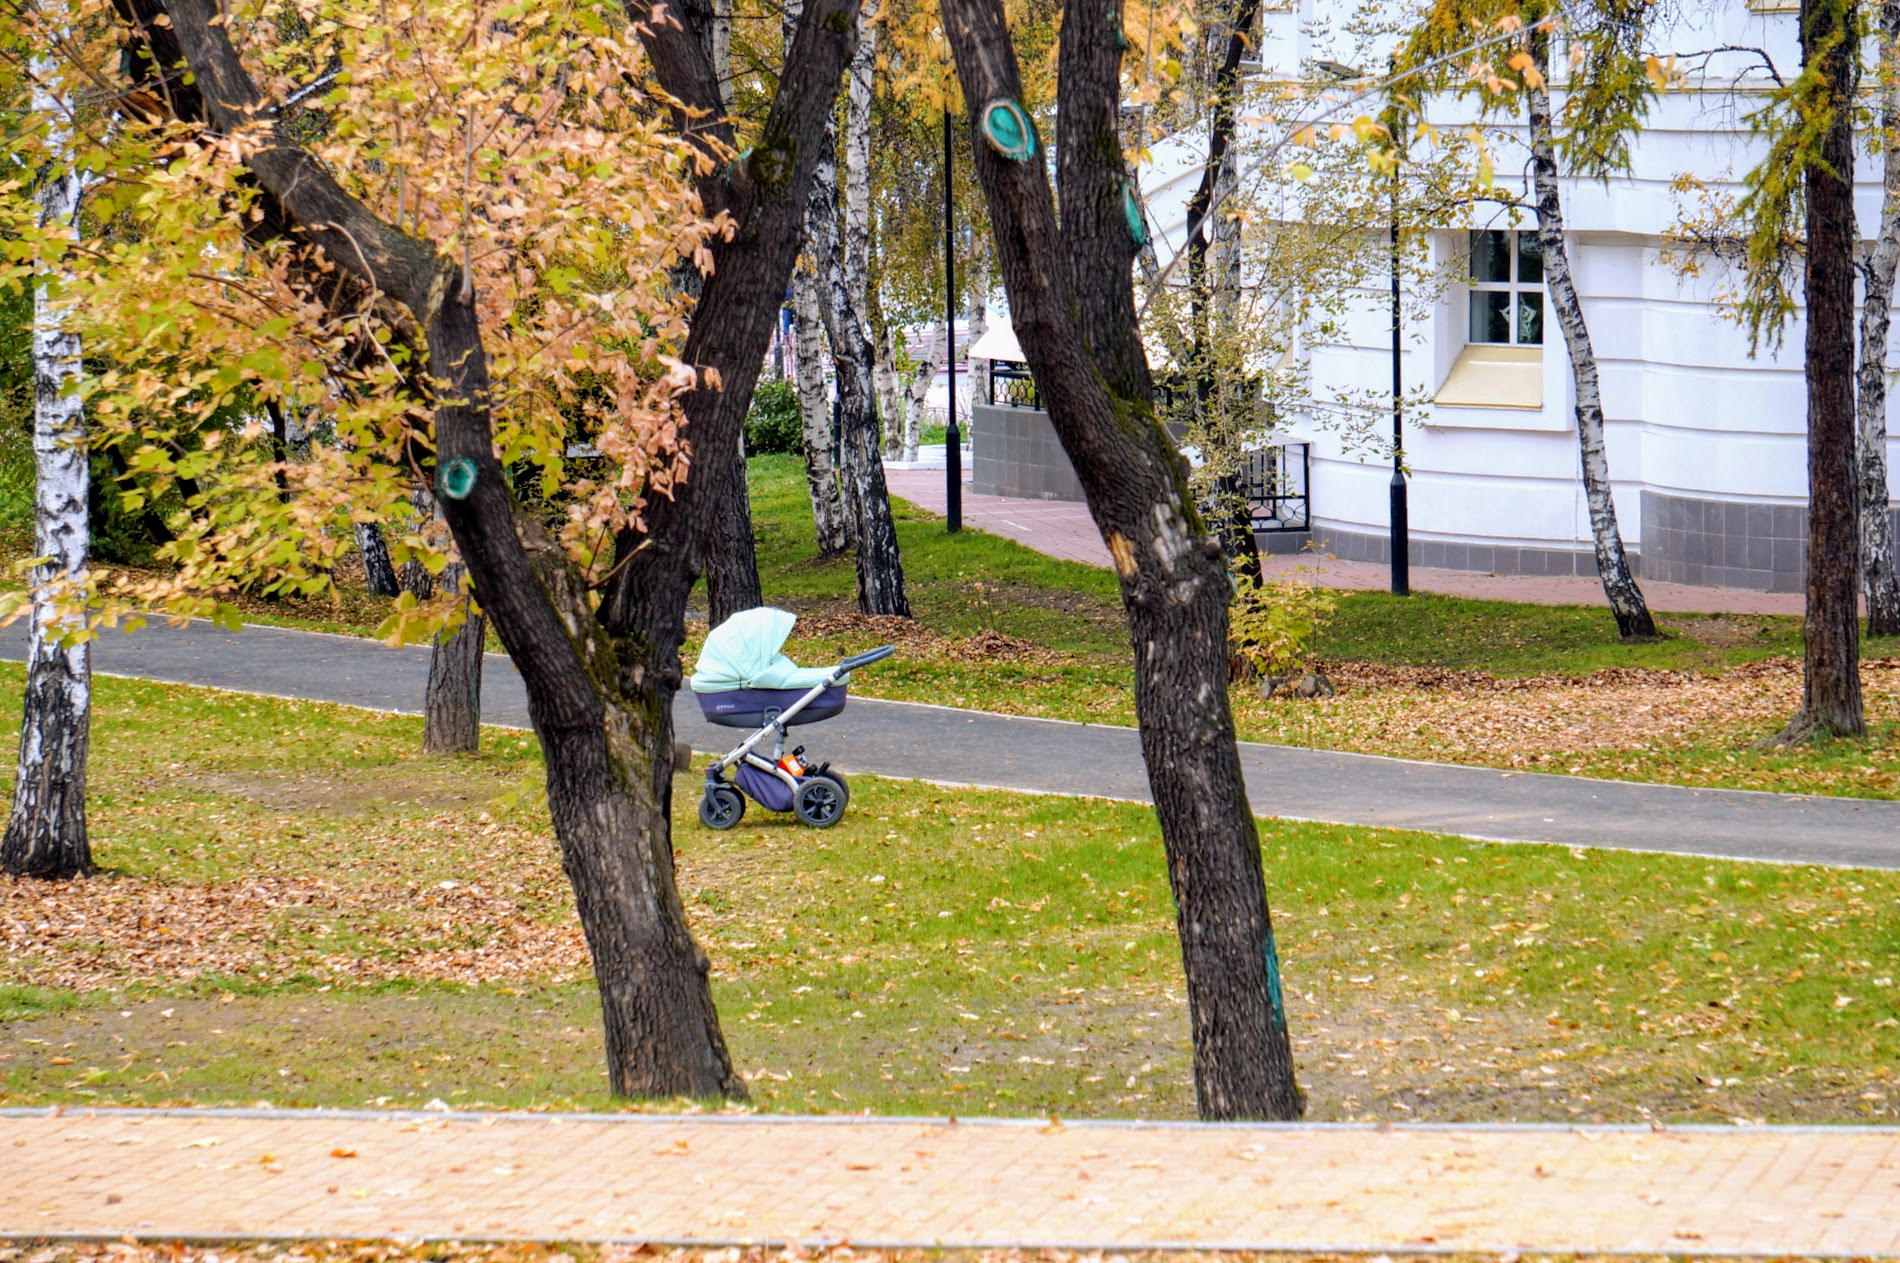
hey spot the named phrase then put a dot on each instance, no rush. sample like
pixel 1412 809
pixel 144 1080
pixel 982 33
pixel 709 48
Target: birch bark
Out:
pixel 379 572
pixel 979 325
pixel 1878 579
pixel 46 833
pixel 890 402
pixel 1223 411
pixel 1633 620
pixel 831 521
pixel 880 569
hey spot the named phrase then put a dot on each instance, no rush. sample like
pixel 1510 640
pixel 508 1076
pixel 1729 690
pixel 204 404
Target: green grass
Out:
pixel 298 908
pixel 1512 639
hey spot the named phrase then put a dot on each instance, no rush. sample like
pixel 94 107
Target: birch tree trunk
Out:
pixel 1878 578
pixel 830 520
pixel 979 325
pixel 722 49
pixel 1613 568
pixel 452 709
pixel 890 402
pixel 379 572
pixel 1215 297
pixel 46 833
pixel 880 569
pixel 1830 678
pixel 916 395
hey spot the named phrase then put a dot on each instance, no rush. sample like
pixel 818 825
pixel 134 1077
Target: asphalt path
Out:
pixel 959 747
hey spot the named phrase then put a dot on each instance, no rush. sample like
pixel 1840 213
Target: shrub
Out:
pixel 775 425
pixel 1274 625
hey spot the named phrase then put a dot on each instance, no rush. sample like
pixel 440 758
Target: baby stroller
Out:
pixel 744 681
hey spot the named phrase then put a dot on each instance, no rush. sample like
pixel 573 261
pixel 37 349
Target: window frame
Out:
pixel 1515 286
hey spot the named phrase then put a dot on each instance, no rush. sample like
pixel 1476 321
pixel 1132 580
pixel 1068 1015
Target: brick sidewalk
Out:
pixel 1064 529
pixel 736 1180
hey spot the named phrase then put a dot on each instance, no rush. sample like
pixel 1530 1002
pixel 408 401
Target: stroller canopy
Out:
pixel 743 653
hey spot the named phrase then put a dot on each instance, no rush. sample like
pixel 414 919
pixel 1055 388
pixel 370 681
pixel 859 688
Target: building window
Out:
pixel 1507 288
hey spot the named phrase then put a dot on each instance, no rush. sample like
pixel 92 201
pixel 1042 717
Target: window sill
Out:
pixel 1495 377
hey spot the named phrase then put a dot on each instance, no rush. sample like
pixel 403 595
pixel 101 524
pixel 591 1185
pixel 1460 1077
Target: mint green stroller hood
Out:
pixel 744 653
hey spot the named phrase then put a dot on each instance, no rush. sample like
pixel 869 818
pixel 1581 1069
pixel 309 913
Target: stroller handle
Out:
pixel 866 658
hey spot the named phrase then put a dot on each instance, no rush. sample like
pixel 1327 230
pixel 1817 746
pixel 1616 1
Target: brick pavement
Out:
pixel 1063 529
pixel 735 1180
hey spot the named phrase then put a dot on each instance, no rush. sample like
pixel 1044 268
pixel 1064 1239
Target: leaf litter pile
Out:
pixel 1686 727
pixel 296 907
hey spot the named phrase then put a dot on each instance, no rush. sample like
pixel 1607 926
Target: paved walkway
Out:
pixel 892 1183
pixel 973 748
pixel 1064 529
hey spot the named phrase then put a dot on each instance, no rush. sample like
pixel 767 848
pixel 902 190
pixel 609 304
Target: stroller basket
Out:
pixel 754 708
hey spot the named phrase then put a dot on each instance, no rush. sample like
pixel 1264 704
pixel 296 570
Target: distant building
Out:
pixel 1707 445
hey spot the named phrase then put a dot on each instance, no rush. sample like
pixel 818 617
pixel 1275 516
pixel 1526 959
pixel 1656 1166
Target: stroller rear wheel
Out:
pixel 820 802
pixel 721 807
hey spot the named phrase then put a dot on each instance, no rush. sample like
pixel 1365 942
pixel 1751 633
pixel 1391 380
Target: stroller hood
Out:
pixel 743 653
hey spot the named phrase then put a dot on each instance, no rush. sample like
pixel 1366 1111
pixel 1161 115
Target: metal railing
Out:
pixel 1277 483
pixel 1011 386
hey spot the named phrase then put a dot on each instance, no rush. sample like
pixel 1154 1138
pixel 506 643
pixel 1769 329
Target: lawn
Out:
pixel 298 908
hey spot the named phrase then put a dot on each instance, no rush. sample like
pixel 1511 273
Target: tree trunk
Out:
pixel 979 325
pixel 46 833
pixel 1830 685
pixel 890 401
pixel 1071 298
pixel 916 395
pixel 379 573
pixel 600 677
pixel 1878 577
pixel 880 569
pixel 830 519
pixel 721 50
pixel 1220 402
pixel 1613 568
pixel 452 710
pixel 732 559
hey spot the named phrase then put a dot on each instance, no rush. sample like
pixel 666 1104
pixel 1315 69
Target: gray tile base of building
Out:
pixel 1436 554
pixel 1015 452
pixel 1703 543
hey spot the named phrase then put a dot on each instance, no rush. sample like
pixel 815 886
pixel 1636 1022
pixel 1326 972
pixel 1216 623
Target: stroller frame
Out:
pixel 746 752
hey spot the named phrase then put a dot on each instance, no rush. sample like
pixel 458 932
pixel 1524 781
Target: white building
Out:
pixel 1707 444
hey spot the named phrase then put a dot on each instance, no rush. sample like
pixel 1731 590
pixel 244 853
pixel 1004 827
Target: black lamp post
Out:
pixel 1401 541
pixel 952 436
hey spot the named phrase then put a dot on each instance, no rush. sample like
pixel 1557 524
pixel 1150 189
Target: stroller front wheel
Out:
pixel 820 802
pixel 721 807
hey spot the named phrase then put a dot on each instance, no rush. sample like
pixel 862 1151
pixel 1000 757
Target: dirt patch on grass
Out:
pixel 912 636
pixel 437 785
pixel 1720 633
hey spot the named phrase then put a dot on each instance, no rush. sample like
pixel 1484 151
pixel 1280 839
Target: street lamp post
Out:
pixel 1401 541
pixel 952 436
